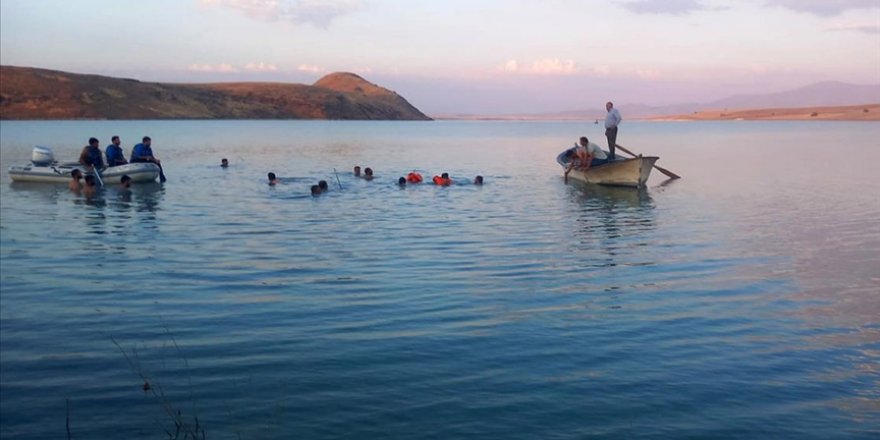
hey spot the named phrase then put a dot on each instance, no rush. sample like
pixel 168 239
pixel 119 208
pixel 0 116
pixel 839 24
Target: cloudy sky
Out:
pixel 463 56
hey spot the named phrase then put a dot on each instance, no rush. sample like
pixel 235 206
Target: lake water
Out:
pixel 742 301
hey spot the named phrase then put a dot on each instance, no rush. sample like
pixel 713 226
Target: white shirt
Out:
pixel 612 119
pixel 595 151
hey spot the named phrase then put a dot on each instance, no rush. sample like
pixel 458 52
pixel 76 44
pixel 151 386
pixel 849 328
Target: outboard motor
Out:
pixel 42 156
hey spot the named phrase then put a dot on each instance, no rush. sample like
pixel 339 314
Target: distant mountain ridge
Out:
pixel 822 94
pixel 33 93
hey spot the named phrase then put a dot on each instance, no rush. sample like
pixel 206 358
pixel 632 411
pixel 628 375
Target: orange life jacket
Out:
pixel 441 181
pixel 414 177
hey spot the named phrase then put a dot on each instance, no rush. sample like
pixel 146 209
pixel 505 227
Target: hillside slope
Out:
pixel 31 93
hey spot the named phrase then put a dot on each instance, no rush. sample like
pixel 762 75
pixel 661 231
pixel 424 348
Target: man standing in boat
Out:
pixel 114 153
pixel 612 120
pixel 144 153
pixel 91 155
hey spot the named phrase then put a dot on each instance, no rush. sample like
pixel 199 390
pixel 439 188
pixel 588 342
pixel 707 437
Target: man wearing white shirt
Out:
pixel 586 155
pixel 612 120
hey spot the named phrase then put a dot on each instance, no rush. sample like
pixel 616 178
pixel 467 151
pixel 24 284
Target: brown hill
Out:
pixel 31 93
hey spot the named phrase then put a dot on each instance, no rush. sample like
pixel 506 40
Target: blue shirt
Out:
pixel 140 150
pixel 114 155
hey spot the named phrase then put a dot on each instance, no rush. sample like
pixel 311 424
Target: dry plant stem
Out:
pixel 174 415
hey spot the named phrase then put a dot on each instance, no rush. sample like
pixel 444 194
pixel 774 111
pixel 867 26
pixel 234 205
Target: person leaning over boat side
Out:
pixel 114 153
pixel 612 120
pixel 91 155
pixel 586 154
pixel 591 153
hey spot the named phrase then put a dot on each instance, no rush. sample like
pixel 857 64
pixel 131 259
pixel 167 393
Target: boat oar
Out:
pixel 161 173
pixel 662 170
pixel 97 175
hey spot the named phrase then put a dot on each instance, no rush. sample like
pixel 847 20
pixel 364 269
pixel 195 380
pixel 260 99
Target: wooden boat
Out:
pixel 620 172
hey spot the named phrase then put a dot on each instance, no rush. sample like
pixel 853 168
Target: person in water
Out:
pixel 478 180
pixel 401 181
pixel 273 180
pixel 323 185
pixel 125 181
pixel 368 173
pixel 115 156
pixel 357 171
pixel 224 163
pixel 75 176
pixel 143 152
pixel 91 186
pixel 442 180
pixel 414 177
pixel 90 156
pixel 316 190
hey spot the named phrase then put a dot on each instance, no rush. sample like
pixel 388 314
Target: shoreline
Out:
pixel 864 112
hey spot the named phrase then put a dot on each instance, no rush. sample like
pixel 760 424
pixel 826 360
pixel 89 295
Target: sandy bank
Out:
pixel 867 112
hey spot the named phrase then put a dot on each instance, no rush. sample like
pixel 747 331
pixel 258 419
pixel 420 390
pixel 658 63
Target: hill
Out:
pixel 31 93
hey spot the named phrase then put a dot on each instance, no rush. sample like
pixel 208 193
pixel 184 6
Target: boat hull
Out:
pixel 60 173
pixel 622 172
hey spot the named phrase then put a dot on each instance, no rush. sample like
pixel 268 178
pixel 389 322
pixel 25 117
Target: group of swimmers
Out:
pixel 89 186
pixel 414 177
pixel 411 178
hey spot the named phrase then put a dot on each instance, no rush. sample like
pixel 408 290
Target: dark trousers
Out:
pixel 611 134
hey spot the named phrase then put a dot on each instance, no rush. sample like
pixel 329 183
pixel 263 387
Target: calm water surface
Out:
pixel 742 301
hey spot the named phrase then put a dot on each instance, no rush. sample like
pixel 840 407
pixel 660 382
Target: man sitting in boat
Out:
pixel 91 157
pixel 143 152
pixel 587 154
pixel 114 153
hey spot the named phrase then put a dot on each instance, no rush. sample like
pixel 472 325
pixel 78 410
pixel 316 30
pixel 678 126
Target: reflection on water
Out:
pixel 613 220
pixel 717 306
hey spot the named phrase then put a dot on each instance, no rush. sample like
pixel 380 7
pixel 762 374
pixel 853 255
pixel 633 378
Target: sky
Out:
pixel 463 56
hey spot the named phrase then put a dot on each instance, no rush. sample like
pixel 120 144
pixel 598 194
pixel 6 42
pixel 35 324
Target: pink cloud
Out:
pixel 318 12
pixel 310 68
pixel 671 7
pixel 222 68
pixel 260 67
pixel 544 66
pixel 825 8
pixel 865 28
